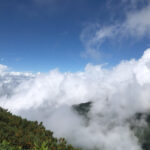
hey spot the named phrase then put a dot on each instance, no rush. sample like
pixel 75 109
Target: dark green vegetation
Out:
pixel 143 132
pixel 18 134
pixel 83 108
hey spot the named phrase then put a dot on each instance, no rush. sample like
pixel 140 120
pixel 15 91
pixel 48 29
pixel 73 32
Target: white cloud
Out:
pixel 93 38
pixel 117 94
pixel 136 24
pixel 2 68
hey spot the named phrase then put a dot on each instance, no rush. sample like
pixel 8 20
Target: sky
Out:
pixel 40 35
pixel 58 53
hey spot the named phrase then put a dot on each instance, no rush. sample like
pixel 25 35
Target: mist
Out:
pixel 117 94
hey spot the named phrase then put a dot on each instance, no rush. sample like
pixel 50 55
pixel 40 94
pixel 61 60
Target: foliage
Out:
pixel 17 133
pixel 6 146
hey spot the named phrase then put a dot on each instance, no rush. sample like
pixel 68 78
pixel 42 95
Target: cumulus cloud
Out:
pixel 136 24
pixel 116 94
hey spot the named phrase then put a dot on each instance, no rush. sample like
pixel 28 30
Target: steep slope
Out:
pixel 17 133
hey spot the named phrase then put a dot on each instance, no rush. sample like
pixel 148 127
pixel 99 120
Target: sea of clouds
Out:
pixel 117 94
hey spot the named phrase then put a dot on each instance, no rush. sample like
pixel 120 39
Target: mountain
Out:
pixel 142 132
pixel 83 108
pixel 17 134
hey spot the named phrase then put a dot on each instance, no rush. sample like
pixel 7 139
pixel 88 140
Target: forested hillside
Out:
pixel 17 133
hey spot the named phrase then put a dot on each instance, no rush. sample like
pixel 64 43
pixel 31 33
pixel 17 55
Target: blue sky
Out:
pixel 40 35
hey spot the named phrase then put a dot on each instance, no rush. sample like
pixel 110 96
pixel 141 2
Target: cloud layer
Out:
pixel 117 95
